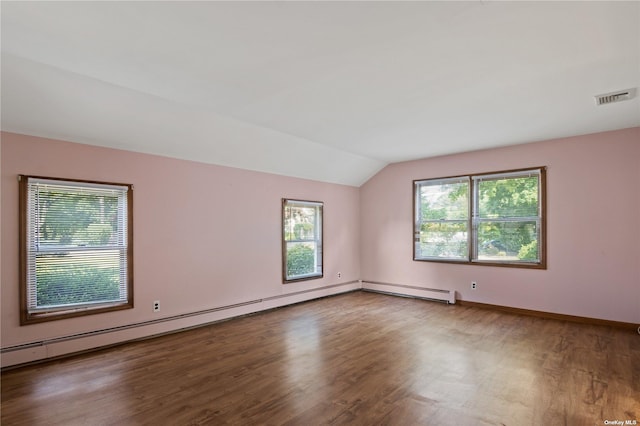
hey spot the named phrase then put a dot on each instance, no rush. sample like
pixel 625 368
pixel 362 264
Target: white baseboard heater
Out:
pixel 74 343
pixel 447 296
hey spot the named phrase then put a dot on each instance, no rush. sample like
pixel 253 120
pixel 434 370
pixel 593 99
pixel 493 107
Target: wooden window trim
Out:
pixel 285 279
pixel 27 317
pixel 542 264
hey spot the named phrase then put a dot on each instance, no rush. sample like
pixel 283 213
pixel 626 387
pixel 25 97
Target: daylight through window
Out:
pixel 76 240
pixel 302 240
pixel 495 219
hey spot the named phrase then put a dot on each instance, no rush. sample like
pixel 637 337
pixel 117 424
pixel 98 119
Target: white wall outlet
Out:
pixel 474 285
pixel 156 306
pixel 339 274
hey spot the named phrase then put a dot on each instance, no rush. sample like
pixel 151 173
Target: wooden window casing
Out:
pixel 492 231
pixel 76 248
pixel 302 241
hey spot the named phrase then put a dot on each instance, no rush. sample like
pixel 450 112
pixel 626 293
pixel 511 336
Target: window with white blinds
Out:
pixel 301 240
pixel 76 247
pixel 493 218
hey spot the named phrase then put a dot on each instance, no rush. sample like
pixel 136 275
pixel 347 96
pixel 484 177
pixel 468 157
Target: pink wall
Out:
pixel 208 236
pixel 593 248
pixel 204 236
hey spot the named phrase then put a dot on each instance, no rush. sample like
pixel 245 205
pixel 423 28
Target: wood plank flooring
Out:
pixel 358 358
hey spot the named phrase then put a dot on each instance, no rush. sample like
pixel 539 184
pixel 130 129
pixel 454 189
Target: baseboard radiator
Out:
pixel 76 343
pixel 446 296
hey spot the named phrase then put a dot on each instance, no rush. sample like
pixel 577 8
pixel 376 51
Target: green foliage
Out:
pixel 300 222
pixel 300 260
pixel 76 218
pixel 303 230
pixel 448 201
pixel 72 283
pixel 456 250
pixel 95 234
pixel 444 211
pixel 71 218
pixel 444 239
pixel 505 238
pixel 442 205
pixel 529 251
pixel 508 197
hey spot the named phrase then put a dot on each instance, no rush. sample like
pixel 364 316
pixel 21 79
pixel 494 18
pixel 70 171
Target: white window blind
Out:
pixel 76 245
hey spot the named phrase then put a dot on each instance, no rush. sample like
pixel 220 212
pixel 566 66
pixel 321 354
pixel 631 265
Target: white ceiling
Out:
pixel 330 91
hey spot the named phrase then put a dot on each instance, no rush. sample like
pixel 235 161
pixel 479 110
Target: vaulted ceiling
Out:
pixel 330 91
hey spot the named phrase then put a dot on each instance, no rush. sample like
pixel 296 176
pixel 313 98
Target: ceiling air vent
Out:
pixel 619 96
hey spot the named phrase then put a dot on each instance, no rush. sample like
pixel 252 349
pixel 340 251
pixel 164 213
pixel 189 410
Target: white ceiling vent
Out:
pixel 619 96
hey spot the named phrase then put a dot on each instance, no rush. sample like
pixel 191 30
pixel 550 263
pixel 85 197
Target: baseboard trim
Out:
pixel 550 315
pixel 70 345
pixel 164 333
pixel 506 309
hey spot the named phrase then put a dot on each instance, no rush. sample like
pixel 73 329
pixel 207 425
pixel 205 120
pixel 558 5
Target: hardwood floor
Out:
pixel 358 358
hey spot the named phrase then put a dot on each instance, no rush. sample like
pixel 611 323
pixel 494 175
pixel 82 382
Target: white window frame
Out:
pixel 315 239
pixel 34 247
pixel 474 219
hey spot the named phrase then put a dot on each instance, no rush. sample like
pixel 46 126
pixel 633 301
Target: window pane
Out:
pixel 508 241
pixel 78 278
pixel 508 197
pixel 77 253
pixel 301 259
pixel 485 218
pixel 302 235
pixel 76 219
pixel 442 200
pixel 443 240
pixel 300 223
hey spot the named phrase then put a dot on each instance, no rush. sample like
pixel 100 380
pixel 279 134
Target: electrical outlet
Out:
pixel 474 285
pixel 156 306
pixel 339 274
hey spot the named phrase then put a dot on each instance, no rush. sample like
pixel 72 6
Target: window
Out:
pixel 301 240
pixel 488 219
pixel 76 248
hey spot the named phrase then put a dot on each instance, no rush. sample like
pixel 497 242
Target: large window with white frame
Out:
pixel 487 219
pixel 76 248
pixel 301 240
